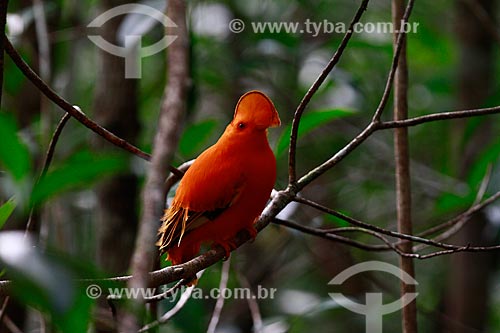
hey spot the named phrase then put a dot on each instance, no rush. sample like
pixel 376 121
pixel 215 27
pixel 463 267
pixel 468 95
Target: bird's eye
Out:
pixel 241 125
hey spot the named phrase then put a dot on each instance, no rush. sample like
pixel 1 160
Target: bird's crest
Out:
pixel 257 108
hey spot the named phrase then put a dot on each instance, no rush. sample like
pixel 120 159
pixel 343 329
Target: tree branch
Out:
pixel 399 49
pixel 253 305
pixel 280 200
pixel 372 126
pixel 186 295
pixel 219 304
pixel 165 145
pixel 75 113
pixel 292 174
pixel 438 116
pixel 330 235
pixel 393 233
pixel 3 21
pixel 46 163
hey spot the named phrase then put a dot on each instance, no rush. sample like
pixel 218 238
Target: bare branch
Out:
pixel 253 305
pixel 476 206
pixel 174 178
pixel 224 277
pixel 75 113
pixel 53 142
pixel 186 270
pixel 3 309
pixel 11 326
pixel 165 145
pixel 456 223
pixel 46 163
pixel 42 39
pixel 372 126
pixel 439 116
pixel 172 312
pixel 292 174
pixel 330 235
pixel 3 21
pixel 394 233
pixel 327 233
pixel 167 293
pixel 398 50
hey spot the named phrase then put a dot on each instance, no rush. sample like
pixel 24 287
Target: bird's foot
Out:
pixel 252 232
pixel 191 281
pixel 228 246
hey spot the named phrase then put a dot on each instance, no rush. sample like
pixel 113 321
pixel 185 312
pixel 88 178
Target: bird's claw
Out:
pixel 228 246
pixel 252 232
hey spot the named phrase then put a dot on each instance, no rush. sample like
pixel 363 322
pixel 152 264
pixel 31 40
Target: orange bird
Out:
pixel 227 186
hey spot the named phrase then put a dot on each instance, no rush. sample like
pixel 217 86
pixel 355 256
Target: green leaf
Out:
pixel 310 121
pixel 6 210
pixel 195 137
pixel 79 171
pixel 14 154
pixel 45 282
pixel 337 221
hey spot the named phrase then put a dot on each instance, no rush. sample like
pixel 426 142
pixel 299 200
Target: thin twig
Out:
pixel 438 116
pixel 75 113
pixel 394 233
pixel 174 178
pixel 253 305
pixel 11 326
pixel 281 199
pixel 475 207
pixel 330 236
pixel 44 63
pixel 46 163
pixel 370 128
pixel 292 174
pixel 328 233
pixel 458 222
pixel 219 304
pixel 373 127
pixel 3 309
pixel 42 39
pixel 167 293
pixel 49 155
pixel 172 312
pixel 3 21
pixel 174 273
pixel 398 50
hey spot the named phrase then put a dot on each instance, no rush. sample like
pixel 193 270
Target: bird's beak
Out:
pixel 275 122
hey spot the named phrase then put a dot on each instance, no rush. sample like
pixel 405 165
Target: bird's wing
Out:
pixel 204 197
pixel 177 221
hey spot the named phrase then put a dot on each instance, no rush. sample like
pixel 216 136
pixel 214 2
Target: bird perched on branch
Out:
pixel 227 186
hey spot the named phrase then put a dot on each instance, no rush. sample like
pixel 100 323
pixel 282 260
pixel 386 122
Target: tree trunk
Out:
pixel 466 302
pixel 403 181
pixel 115 108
